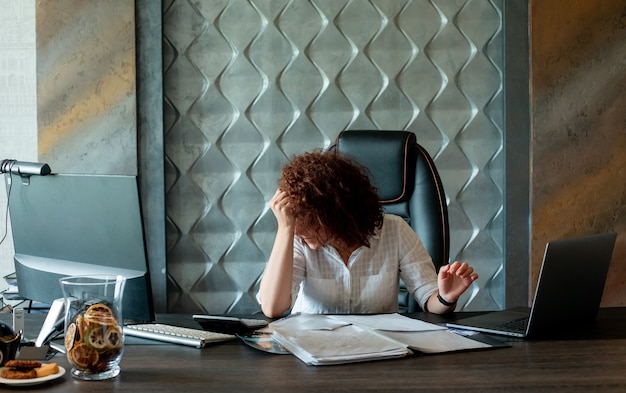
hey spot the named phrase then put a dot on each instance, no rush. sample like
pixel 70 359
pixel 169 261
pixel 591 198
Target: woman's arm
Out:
pixel 417 269
pixel 275 288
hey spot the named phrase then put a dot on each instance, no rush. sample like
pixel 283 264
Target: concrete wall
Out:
pixel 578 115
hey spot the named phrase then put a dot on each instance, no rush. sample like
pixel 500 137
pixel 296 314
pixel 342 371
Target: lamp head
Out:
pixel 24 169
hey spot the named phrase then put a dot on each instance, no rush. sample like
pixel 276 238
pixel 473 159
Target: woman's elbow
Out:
pixel 271 314
pixel 274 310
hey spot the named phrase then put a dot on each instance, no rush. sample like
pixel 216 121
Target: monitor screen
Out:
pixel 71 225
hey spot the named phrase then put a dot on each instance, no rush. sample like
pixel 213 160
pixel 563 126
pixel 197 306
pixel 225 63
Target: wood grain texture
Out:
pixel 594 361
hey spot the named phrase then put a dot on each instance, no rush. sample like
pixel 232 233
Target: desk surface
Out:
pixel 596 362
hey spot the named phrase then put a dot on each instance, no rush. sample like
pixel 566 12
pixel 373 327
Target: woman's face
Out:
pixel 311 237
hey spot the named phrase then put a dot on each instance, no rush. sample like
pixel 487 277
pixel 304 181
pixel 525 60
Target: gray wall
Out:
pixel 577 118
pixel 248 84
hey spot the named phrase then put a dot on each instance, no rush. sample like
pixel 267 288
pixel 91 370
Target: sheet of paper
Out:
pixel 305 322
pixel 436 341
pixel 388 322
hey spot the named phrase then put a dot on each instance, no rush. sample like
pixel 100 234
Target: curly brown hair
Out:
pixel 332 193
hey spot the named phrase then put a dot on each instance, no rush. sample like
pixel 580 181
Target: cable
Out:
pixel 4 165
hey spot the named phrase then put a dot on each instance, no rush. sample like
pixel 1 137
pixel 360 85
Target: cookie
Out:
pixel 12 373
pixel 47 369
pixel 22 364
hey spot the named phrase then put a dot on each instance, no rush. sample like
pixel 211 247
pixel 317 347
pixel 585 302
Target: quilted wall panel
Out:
pixel 249 83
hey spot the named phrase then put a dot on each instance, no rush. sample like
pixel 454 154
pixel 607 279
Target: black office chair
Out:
pixel 408 185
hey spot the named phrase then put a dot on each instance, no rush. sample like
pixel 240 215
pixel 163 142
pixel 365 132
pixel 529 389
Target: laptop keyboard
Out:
pixel 516 325
pixel 176 335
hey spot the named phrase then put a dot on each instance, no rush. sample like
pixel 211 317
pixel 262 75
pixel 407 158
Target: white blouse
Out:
pixel 369 283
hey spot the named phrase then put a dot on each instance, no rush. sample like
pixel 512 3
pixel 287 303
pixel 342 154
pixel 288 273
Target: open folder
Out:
pixel 337 339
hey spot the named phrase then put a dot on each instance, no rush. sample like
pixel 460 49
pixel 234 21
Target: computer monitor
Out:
pixel 71 225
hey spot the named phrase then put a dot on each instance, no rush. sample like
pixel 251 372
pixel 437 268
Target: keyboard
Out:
pixel 175 334
pixel 516 325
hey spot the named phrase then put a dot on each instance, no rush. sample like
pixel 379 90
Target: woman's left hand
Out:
pixel 454 279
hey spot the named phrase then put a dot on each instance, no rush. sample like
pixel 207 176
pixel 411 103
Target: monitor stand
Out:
pixel 54 322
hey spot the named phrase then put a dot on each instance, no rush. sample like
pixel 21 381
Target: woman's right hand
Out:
pixel 280 207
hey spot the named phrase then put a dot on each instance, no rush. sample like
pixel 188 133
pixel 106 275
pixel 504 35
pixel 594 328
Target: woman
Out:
pixel 336 252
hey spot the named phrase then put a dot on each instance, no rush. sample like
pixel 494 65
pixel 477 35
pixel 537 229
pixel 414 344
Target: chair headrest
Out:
pixel 389 156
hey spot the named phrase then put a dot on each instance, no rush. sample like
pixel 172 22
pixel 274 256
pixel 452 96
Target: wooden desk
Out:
pixel 593 363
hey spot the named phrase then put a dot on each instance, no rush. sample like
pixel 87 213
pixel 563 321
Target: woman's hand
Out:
pixel 454 279
pixel 280 207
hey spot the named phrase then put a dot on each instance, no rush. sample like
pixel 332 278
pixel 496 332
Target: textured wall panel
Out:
pixel 249 83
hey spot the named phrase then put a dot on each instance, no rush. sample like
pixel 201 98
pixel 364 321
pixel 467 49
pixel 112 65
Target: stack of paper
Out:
pixel 343 345
pixel 335 339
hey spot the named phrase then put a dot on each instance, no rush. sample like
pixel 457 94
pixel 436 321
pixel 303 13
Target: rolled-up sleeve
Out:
pixel 299 268
pixel 416 266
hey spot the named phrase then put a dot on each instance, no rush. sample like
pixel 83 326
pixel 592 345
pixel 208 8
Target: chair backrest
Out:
pixel 408 185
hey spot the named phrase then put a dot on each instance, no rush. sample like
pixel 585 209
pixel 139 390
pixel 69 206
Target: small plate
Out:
pixel 33 381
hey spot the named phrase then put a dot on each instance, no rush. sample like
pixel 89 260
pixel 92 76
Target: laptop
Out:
pixel 569 290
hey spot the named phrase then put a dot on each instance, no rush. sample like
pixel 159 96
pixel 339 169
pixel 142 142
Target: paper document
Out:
pixel 333 339
pixel 436 341
pixel 346 344
pixel 306 322
pixel 391 322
